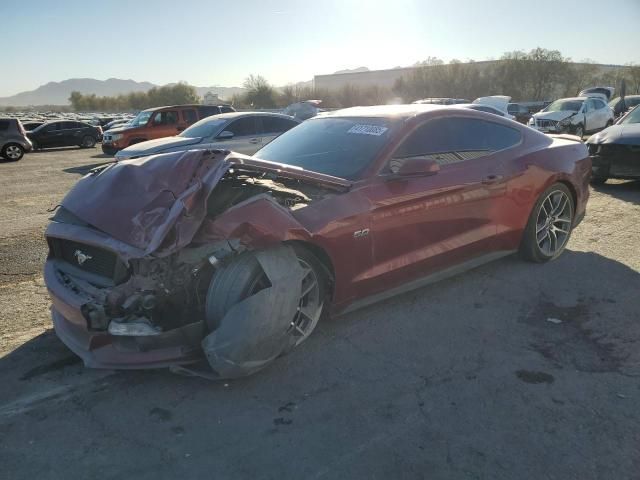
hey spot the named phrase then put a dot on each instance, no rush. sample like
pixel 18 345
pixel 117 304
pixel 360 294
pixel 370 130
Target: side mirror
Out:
pixel 225 135
pixel 415 166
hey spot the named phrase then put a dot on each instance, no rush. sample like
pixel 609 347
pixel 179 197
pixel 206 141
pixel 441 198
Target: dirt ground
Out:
pixel 512 370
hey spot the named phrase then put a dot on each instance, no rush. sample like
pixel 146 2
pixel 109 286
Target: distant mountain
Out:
pixel 57 93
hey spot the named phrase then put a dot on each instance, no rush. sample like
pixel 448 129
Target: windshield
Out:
pixel 564 106
pixel 141 119
pixel 632 117
pixel 341 147
pixel 206 127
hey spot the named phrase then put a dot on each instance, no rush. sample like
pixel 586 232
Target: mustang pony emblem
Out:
pixel 81 257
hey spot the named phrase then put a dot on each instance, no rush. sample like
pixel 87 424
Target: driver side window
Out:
pixel 455 140
pixel 243 127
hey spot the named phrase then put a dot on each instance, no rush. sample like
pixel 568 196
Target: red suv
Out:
pixel 157 123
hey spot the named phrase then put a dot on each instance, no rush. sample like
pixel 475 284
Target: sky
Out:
pixel 219 43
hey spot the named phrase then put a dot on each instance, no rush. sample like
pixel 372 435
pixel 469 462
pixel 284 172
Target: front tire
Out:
pixel 579 131
pixel 88 142
pixel 244 277
pixel 550 224
pixel 12 152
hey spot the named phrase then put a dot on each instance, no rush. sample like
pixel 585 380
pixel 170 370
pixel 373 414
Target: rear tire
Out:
pixel 12 152
pixel 550 225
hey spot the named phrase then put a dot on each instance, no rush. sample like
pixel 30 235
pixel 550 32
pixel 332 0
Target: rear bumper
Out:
pixel 99 349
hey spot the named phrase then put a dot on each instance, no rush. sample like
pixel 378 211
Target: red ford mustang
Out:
pixel 174 258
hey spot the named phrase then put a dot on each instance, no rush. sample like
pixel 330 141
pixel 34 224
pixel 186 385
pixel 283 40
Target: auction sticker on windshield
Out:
pixel 368 130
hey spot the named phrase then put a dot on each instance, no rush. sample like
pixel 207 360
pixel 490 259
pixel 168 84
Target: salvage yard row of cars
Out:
pixel 184 252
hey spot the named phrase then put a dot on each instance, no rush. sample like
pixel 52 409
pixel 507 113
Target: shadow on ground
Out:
pixel 496 373
pixel 628 191
pixel 84 169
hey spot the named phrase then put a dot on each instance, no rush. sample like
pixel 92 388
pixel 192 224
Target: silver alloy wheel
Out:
pixel 13 152
pixel 309 306
pixel 553 224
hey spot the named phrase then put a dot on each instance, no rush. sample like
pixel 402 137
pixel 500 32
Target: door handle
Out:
pixel 254 140
pixel 489 179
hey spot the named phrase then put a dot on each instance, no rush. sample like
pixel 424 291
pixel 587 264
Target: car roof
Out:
pixel 232 115
pixel 190 105
pixel 401 111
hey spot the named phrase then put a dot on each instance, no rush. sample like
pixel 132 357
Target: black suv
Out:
pixel 65 133
pixel 13 139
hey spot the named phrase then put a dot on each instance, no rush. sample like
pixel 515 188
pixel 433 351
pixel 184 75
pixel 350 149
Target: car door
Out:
pixel 240 136
pixel 424 224
pixel 271 126
pixel 591 121
pixel 72 133
pixel 50 135
pixel 189 117
pixel 164 123
pixel 602 111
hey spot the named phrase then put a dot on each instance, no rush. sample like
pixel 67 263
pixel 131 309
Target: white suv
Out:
pixel 577 115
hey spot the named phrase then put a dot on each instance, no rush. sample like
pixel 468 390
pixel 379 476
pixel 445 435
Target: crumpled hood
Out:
pixel 557 116
pixel 155 203
pixel 158 145
pixel 625 134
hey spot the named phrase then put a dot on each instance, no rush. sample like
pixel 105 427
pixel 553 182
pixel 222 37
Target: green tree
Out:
pixel 259 94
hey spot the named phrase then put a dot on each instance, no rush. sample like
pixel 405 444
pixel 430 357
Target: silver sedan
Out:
pixel 242 132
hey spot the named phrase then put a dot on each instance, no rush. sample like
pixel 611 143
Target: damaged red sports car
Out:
pixel 175 258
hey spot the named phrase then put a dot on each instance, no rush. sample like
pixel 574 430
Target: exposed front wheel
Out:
pixel 13 152
pixel 579 131
pixel 244 277
pixel 549 226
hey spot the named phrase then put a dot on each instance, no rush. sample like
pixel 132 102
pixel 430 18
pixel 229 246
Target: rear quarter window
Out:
pixel 4 125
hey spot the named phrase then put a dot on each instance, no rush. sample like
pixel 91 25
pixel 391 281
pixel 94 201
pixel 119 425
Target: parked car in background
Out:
pixel 441 101
pixel 303 110
pixel 519 112
pixel 483 108
pixel 173 258
pixel 497 102
pixel 157 123
pixel 13 139
pixel 621 106
pixel 115 124
pixel 615 151
pixel 577 115
pixel 65 134
pixel 242 132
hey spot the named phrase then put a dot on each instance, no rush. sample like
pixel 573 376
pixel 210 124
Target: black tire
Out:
pixel 244 276
pixel 12 152
pixel 598 180
pixel 88 142
pixel 529 246
pixel 579 131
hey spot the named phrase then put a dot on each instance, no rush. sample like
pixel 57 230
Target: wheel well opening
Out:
pixel 322 257
pixel 572 190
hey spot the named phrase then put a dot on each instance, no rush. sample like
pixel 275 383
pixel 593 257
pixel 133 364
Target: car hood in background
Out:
pixel 626 134
pixel 557 116
pixel 158 145
pixel 156 204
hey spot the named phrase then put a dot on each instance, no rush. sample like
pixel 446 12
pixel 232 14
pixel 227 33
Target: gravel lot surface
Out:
pixel 511 371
